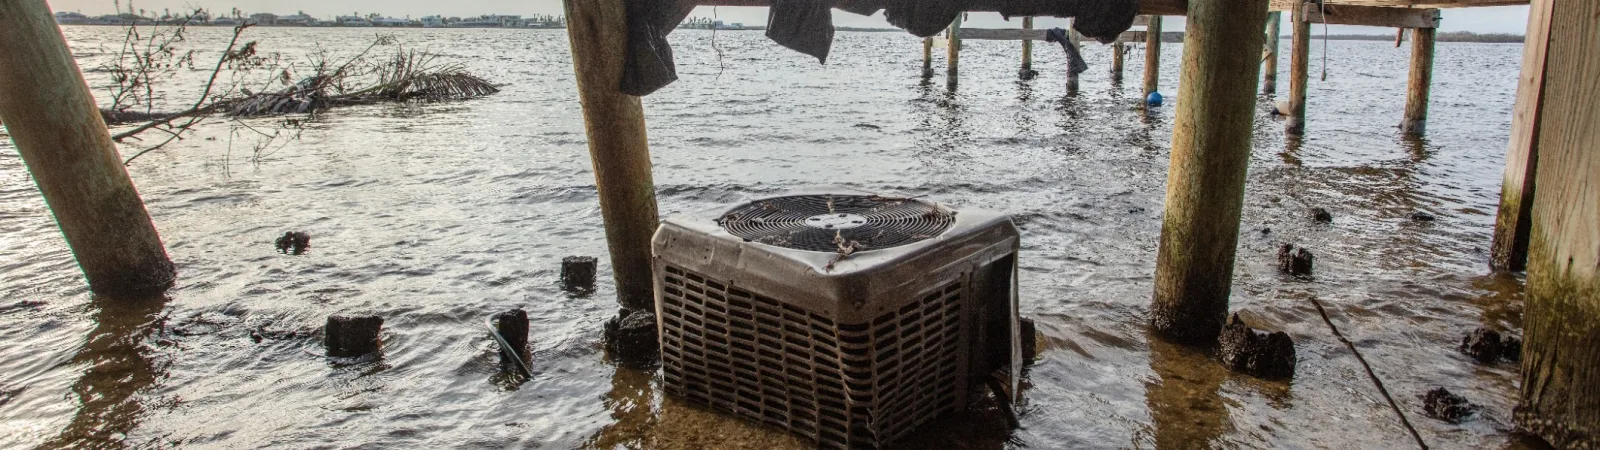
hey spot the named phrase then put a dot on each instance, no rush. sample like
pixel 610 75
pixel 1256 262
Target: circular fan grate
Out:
pixel 833 223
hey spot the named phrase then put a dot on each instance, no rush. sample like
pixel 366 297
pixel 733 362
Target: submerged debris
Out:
pixel 293 243
pixel 1294 261
pixel 1030 340
pixel 1488 346
pixel 1245 350
pixel 1321 215
pixel 1420 216
pixel 1440 404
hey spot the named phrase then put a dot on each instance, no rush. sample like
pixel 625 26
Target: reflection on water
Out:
pixel 1187 410
pixel 117 367
pixel 437 215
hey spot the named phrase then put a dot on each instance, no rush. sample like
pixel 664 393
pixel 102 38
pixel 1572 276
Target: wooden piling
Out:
pixel 1560 399
pixel 1152 56
pixel 1117 49
pixel 1510 249
pixel 1210 156
pixel 1421 81
pixel 953 58
pixel 618 146
pixel 1269 66
pixel 927 57
pixel 52 118
pixel 1299 70
pixel 1027 46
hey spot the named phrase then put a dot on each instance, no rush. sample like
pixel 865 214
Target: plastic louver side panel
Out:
pixel 841 385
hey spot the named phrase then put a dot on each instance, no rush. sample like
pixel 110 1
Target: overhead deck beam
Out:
pixel 1374 16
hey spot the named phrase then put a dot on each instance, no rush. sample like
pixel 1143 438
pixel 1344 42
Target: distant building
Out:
pixel 490 21
pixel 353 21
pixel 390 22
pixel 225 21
pixel 71 18
pixel 299 19
pixel 433 21
pixel 264 19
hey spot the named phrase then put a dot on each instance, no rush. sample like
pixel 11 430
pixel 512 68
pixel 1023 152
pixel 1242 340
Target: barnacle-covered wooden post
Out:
pixel 953 58
pixel 57 128
pixel 1269 65
pixel 1027 49
pixel 1561 346
pixel 1210 155
pixel 614 121
pixel 1419 82
pixel 1152 55
pixel 1299 70
pixel 1515 219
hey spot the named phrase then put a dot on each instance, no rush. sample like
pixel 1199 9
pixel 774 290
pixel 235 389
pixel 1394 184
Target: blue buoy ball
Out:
pixel 1154 99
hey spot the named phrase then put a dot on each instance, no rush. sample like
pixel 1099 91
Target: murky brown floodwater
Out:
pixel 438 215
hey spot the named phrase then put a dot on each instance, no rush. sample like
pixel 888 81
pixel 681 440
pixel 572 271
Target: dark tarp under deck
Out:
pixel 806 26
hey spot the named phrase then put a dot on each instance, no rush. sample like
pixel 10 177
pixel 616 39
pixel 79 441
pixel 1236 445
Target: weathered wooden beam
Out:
pixel 1210 158
pixel 1510 249
pixel 52 118
pixel 1374 16
pixel 927 57
pixel 1420 81
pixel 1560 398
pixel 618 146
pixel 1269 65
pixel 1417 3
pixel 1152 56
pixel 1002 34
pixel 1181 7
pixel 1294 122
pixel 1117 50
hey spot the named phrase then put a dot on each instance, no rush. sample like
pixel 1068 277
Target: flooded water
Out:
pixel 438 215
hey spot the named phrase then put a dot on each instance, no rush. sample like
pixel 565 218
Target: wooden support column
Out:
pixel 1420 82
pixel 954 56
pixel 1299 70
pixel 1210 157
pixel 1560 399
pixel 52 118
pixel 1117 48
pixel 1510 249
pixel 1269 66
pixel 1072 39
pixel 927 57
pixel 1027 46
pixel 598 31
pixel 1152 56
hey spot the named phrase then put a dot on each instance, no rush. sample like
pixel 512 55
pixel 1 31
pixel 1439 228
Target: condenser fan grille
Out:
pixel 830 223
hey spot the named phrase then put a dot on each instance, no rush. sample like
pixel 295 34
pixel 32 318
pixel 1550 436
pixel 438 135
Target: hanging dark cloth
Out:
pixel 1075 62
pixel 807 26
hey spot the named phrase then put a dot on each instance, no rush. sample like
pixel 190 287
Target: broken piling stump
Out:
pixel 1482 344
pixel 512 326
pixel 1293 261
pixel 1440 404
pixel 352 335
pixel 632 338
pixel 1269 356
pixel 578 273
pixel 1321 215
pixel 293 243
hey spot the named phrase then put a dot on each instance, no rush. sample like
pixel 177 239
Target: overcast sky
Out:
pixel 1504 19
